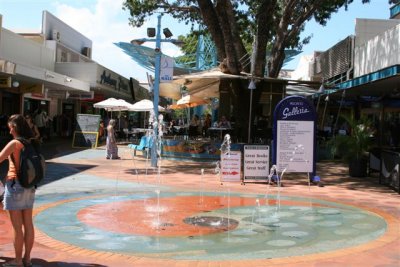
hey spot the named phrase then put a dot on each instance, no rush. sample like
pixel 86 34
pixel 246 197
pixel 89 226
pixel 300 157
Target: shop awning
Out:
pixel 203 84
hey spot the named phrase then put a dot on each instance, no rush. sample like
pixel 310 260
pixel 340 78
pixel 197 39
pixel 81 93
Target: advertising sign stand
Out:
pixel 294 137
pixel 255 163
pixel 231 167
pixel 86 133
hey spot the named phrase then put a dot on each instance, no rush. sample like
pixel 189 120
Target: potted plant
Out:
pixel 354 146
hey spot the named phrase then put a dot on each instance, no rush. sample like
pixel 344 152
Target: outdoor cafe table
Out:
pixel 221 130
pixel 194 149
pixel 134 132
pixel 181 129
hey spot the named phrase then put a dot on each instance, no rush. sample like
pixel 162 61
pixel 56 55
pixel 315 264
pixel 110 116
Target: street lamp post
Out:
pixel 157 70
pixel 156 92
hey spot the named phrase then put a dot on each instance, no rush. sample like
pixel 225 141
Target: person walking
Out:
pixel 206 124
pixel 40 120
pixel 18 201
pixel 33 127
pixel 111 141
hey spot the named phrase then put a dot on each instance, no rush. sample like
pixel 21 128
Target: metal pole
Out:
pixel 156 91
pixel 338 114
pixel 323 114
pixel 250 124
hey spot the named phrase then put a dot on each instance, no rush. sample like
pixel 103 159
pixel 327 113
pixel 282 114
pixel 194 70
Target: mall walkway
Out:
pixel 74 175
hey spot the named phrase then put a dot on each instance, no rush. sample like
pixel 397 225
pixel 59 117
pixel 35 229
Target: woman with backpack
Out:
pixel 18 201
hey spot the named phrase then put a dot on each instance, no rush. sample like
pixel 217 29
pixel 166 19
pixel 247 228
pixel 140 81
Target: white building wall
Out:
pixel 97 76
pixel 367 29
pixel 20 50
pixel 55 29
pixel 380 52
pixel 302 71
pixel 82 71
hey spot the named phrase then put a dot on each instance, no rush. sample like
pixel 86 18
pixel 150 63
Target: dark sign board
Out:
pixel 85 139
pixel 87 123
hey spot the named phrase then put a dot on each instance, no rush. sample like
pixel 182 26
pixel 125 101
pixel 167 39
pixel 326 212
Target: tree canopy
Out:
pixel 240 28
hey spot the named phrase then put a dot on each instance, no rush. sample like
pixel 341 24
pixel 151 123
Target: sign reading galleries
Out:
pixel 294 132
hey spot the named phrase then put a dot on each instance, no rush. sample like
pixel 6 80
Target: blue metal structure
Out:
pixel 204 58
pixel 156 90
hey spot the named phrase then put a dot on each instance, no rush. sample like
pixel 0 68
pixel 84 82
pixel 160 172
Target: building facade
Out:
pixel 53 70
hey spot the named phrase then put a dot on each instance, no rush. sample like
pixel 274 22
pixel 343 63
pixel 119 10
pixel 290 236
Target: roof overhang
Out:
pixel 382 83
pixel 206 84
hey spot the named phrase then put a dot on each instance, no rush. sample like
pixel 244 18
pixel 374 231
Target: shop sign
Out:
pixel 55 94
pixel 34 89
pixel 122 85
pixel 107 79
pixel 5 82
pixel 114 80
pixel 81 95
pixel 38 95
pixel 231 166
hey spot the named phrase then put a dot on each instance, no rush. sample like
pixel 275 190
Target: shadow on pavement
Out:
pixel 44 263
pixel 57 171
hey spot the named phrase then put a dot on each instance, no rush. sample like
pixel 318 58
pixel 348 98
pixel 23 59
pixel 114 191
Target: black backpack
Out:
pixel 32 165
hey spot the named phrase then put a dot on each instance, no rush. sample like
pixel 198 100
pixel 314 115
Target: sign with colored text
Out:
pixel 231 166
pixel 256 162
pixel 167 69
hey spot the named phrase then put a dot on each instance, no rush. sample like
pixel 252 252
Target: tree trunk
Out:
pixel 237 40
pixel 264 24
pixel 276 60
pixel 240 101
pixel 210 18
pixel 223 7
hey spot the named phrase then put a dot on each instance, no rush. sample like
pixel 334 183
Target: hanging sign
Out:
pixel 231 166
pixel 167 69
pixel 294 132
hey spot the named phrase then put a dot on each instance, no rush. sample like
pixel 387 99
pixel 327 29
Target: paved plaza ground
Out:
pixel 86 201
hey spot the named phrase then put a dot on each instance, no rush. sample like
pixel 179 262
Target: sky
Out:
pixel 105 23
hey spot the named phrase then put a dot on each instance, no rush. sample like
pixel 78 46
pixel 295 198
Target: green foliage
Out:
pixel 282 22
pixel 355 145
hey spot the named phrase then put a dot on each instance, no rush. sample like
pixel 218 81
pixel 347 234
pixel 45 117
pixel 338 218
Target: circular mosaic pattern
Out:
pixel 211 221
pixel 219 227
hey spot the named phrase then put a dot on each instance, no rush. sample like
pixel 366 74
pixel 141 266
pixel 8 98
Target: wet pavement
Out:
pixel 91 211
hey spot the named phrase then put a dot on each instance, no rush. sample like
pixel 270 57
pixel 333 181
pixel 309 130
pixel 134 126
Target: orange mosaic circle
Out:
pixel 163 217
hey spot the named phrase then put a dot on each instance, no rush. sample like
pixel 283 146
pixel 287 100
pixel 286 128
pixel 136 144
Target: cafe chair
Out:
pixel 145 143
pixel 141 146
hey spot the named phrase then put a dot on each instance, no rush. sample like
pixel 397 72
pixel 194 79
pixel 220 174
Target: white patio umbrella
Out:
pixel 112 104
pixel 144 105
pixel 189 101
